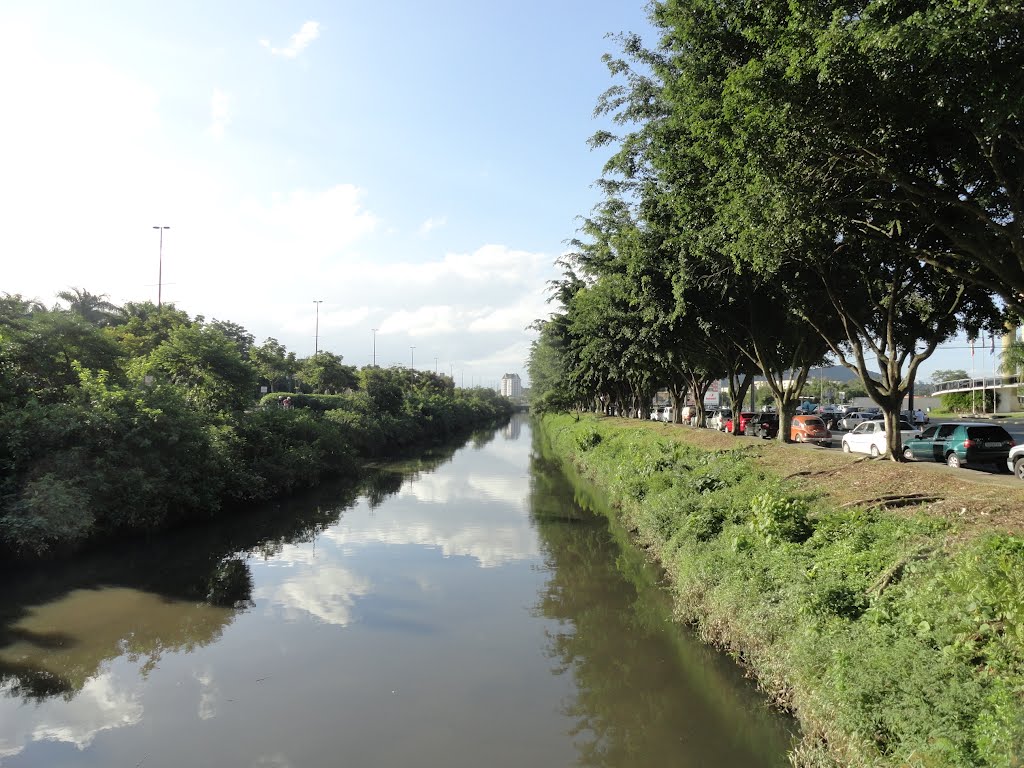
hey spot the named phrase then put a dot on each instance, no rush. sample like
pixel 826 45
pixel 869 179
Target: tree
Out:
pixel 273 363
pixel 242 339
pixel 206 365
pixel 952 374
pixel 907 117
pixel 147 326
pixel 385 387
pixel 95 310
pixel 325 373
pixel 41 351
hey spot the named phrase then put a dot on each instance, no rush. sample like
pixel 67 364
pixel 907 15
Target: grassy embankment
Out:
pixel 893 630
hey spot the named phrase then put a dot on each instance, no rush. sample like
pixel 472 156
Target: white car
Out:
pixel 1015 461
pixel 869 437
pixel 718 420
pixel 851 420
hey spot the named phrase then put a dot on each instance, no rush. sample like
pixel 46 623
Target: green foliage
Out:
pixel 587 440
pixel 204 364
pixel 777 518
pixel 324 372
pixel 386 388
pixel 125 421
pixel 967 402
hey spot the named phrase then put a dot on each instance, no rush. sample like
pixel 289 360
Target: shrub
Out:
pixel 778 518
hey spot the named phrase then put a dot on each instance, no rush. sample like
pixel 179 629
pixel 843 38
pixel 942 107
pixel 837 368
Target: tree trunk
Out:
pixel 893 438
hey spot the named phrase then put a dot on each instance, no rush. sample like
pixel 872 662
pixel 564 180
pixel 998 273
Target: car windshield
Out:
pixel 814 423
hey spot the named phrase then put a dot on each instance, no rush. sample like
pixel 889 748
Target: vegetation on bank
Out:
pixel 118 420
pixel 895 638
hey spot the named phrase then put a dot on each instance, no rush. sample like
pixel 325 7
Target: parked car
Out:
pixel 851 420
pixel 656 413
pixel 869 437
pixel 810 429
pixel 719 419
pixel 766 425
pixel 1015 461
pixel 744 418
pixel 963 444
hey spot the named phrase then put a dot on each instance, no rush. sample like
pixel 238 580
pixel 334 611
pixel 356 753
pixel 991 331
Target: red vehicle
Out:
pixel 745 418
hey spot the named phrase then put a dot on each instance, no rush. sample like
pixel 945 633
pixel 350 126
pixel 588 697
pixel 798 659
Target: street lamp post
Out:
pixel 412 359
pixel 316 333
pixel 435 366
pixel 374 347
pixel 160 272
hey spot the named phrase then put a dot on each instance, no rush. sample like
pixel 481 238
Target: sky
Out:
pixel 416 167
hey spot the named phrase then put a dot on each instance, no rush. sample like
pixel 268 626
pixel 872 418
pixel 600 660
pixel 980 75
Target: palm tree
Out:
pixel 94 309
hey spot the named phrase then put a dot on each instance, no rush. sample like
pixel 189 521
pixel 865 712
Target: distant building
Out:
pixel 511 385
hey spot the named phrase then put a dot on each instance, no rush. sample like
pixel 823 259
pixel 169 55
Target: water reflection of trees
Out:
pixel 646 693
pixel 173 593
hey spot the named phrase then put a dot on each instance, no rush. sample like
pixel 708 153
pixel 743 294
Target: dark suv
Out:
pixel 766 425
pixel 961 445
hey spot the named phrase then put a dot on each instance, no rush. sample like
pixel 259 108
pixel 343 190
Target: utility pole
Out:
pixel 435 366
pixel 316 335
pixel 160 273
pixel 412 359
pixel 374 347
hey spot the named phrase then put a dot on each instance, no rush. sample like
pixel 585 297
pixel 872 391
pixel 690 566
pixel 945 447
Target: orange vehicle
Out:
pixel 810 429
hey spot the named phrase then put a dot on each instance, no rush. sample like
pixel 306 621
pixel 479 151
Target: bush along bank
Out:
pixel 113 459
pixel 894 639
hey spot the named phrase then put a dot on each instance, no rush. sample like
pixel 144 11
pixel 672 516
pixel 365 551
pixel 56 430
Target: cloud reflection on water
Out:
pixel 327 593
pixel 102 704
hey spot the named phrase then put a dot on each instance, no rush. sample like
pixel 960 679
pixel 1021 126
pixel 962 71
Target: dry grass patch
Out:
pixel 978 501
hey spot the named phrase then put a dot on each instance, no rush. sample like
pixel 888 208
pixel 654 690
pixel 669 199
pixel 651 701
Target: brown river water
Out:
pixel 466 608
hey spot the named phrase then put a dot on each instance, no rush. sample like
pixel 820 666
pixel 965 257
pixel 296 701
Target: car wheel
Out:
pixel 952 460
pixel 846 447
pixel 874 452
pixel 1018 468
pixel 799 437
pixel 908 454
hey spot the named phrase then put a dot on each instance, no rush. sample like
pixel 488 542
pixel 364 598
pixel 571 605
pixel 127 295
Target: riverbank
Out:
pixel 893 629
pixel 121 461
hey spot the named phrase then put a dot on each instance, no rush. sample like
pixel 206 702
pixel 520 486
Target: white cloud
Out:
pixel 425 321
pixel 298 42
pixel 431 224
pixel 219 113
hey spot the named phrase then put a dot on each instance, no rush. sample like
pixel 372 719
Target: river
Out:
pixel 468 608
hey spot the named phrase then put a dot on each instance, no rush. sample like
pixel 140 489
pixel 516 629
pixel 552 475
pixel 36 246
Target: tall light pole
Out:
pixel 374 347
pixel 435 366
pixel 160 273
pixel 316 335
pixel 412 359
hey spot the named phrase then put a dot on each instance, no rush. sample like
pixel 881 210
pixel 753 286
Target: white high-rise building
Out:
pixel 511 385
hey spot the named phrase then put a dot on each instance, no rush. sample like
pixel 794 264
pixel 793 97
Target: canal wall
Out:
pixel 895 638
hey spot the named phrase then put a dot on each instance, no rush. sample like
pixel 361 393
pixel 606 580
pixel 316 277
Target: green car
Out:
pixel 960 445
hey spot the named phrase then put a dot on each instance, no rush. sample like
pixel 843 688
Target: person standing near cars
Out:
pixel 919 419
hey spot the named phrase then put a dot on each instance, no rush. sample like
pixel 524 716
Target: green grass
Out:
pixel 893 641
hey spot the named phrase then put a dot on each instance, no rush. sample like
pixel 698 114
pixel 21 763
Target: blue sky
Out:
pixel 416 166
